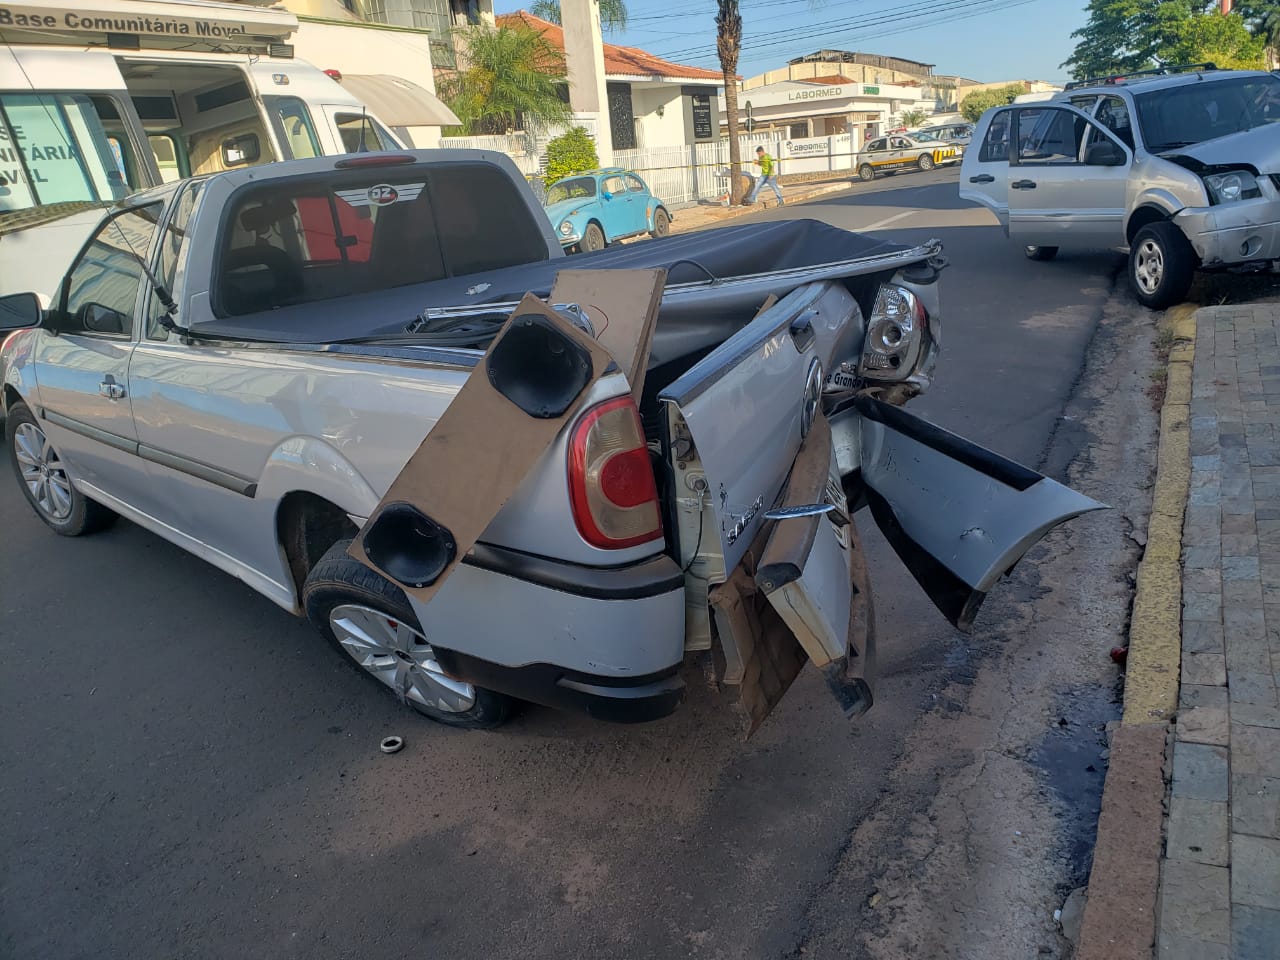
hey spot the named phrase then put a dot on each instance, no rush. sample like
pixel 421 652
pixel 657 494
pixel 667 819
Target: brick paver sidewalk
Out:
pixel 1220 879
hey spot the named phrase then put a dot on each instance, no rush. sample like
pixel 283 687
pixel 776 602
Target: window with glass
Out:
pixel 1187 114
pixel 574 188
pixel 995 145
pixel 360 133
pixel 294 128
pixel 53 149
pixel 172 257
pixel 635 184
pixel 101 290
pixel 358 231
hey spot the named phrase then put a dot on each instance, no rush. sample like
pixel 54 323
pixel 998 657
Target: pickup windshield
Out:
pixel 1180 116
pixel 53 151
pixel 297 241
pixel 579 188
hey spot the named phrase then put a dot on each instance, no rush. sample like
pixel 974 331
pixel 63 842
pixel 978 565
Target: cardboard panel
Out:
pixel 483 447
pixel 623 308
pixel 477 454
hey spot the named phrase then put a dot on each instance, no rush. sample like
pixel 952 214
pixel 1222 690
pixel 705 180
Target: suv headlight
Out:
pixel 1231 186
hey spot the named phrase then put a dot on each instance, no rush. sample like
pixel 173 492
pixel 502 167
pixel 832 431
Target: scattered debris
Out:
pixel 1120 655
pixel 1072 914
pixel 392 745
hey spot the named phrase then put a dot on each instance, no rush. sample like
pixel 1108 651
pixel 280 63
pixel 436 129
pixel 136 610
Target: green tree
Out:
pixel 913 118
pixel 613 13
pixel 1126 35
pixel 979 102
pixel 512 81
pixel 572 152
pixel 728 48
pixel 1263 19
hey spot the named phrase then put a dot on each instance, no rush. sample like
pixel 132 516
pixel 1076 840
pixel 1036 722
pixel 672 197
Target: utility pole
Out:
pixel 1226 7
pixel 584 62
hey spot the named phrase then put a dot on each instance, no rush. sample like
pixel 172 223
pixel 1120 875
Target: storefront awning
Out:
pixel 398 102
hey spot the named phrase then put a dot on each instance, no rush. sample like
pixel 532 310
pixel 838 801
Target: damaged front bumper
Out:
pixel 1228 234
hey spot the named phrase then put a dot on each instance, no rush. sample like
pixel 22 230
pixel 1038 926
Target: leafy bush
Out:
pixel 913 118
pixel 570 153
pixel 980 101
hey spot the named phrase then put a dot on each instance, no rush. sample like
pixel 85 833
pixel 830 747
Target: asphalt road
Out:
pixel 189 772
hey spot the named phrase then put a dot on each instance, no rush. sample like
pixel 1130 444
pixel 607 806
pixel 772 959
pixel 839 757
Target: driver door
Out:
pixel 1068 176
pixel 82 357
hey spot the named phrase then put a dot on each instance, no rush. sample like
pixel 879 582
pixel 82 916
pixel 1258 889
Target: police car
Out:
pixel 898 152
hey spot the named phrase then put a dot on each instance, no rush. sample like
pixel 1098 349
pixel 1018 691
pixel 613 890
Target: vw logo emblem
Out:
pixel 812 397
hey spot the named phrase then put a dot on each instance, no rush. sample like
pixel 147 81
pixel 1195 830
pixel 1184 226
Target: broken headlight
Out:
pixel 1234 185
pixel 895 332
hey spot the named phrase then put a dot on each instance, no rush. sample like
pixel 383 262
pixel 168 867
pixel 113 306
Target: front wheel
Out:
pixel 661 224
pixel 1040 253
pixel 592 239
pixel 44 479
pixel 1162 265
pixel 925 162
pixel 866 172
pixel 369 619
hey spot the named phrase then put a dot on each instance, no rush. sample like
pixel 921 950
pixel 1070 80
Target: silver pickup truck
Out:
pixel 244 364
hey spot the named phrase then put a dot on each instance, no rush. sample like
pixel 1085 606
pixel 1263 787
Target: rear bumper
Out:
pixel 1233 233
pixel 607 642
pixel 615 699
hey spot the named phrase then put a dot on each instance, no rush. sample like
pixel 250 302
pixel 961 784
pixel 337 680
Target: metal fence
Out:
pixel 685 173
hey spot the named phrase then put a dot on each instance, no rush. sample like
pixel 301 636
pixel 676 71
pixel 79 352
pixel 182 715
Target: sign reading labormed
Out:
pixel 47 18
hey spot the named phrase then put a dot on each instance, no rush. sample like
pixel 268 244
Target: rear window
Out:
pixel 357 231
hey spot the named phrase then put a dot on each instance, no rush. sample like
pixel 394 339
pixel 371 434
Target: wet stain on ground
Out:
pixel 1073 757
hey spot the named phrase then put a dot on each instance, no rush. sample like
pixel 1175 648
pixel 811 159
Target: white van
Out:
pixel 99 106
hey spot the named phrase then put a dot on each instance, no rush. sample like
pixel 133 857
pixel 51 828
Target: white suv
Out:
pixel 1181 168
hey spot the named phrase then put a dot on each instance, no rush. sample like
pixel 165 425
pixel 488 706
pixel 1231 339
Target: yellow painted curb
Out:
pixel 1155 630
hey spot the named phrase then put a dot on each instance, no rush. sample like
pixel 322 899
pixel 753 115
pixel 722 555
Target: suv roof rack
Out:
pixel 1141 74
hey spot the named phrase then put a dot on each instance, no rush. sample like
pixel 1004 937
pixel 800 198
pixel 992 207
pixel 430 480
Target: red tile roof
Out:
pixel 618 61
pixel 832 79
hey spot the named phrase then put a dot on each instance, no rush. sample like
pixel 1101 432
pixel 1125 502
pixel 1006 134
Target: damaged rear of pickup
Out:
pixel 369 389
pixel 766 438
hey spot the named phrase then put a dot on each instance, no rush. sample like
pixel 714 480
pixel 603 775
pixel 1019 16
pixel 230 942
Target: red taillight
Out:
pixel 374 160
pixel 611 488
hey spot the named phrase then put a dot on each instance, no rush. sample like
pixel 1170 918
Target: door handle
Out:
pixel 110 389
pixel 983 178
pixel 1023 185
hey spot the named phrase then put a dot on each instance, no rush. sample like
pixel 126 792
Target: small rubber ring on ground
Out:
pixel 392 745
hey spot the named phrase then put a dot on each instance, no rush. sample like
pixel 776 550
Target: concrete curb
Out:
pixel 1120 916
pixel 705 215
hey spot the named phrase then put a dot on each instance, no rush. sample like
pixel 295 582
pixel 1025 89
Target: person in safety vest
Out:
pixel 767 175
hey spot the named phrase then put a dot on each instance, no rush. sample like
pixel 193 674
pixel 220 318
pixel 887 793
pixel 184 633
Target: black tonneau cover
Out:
pixel 704 258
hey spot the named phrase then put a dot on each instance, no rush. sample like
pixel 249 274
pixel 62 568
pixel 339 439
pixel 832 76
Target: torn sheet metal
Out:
pixel 957 514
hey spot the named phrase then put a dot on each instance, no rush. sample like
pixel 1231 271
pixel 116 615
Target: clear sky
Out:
pixel 986 40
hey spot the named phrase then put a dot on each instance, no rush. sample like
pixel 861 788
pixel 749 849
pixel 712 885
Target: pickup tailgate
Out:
pixel 748 436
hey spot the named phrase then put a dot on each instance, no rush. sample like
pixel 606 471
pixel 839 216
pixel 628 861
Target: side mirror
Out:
pixel 606 194
pixel 1104 153
pixel 20 311
pixel 99 319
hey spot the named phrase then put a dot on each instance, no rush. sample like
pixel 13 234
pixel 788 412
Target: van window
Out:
pixel 53 149
pixel 357 231
pixel 363 134
pixel 293 126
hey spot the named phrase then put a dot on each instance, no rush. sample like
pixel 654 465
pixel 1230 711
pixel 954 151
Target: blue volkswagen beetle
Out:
pixel 589 211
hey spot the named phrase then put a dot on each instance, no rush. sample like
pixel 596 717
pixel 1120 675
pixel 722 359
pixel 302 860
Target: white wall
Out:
pixel 361 49
pixel 659 131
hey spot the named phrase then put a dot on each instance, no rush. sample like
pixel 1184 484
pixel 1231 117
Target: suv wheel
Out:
pixel 1040 253
pixel 369 619
pixel 44 479
pixel 1162 265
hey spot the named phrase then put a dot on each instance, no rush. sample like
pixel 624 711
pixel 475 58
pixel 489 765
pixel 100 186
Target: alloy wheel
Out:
pixel 399 656
pixel 1149 267
pixel 42 471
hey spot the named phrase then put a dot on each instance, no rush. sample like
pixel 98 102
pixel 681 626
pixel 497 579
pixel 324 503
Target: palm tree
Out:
pixel 613 13
pixel 512 81
pixel 729 46
pixel 1263 19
